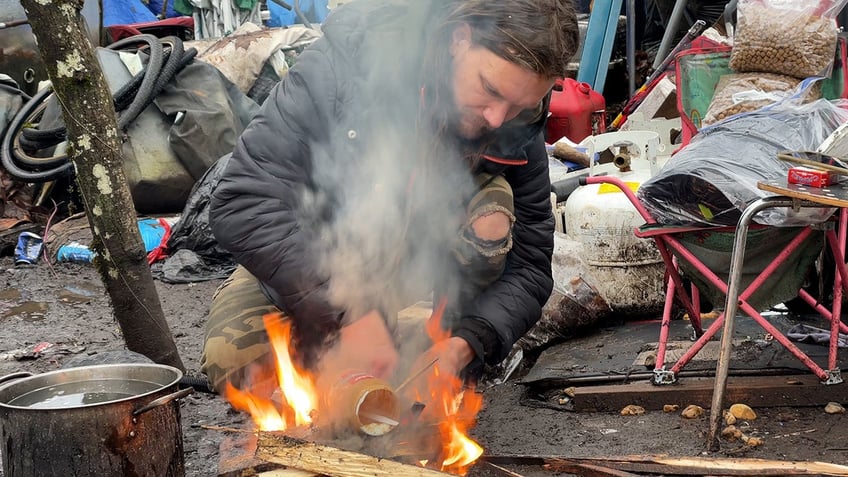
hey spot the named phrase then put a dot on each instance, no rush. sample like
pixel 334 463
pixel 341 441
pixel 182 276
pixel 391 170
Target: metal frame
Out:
pixel 803 197
pixel 737 300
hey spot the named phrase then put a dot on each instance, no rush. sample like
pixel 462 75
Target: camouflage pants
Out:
pixel 236 343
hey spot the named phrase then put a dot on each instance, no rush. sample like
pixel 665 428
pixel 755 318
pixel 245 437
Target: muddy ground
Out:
pixel 65 305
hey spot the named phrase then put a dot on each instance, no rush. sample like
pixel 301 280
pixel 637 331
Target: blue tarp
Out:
pixel 314 10
pixel 155 6
pixel 126 12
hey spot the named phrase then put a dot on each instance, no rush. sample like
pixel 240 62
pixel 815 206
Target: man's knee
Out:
pixel 492 227
pixel 489 230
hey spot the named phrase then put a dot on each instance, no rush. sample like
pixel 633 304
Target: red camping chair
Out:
pixel 669 241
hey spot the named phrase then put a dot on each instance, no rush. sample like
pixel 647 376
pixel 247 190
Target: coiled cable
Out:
pixel 129 101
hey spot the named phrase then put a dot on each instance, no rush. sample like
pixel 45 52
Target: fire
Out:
pixel 448 404
pixel 297 388
pixel 460 451
pixel 453 408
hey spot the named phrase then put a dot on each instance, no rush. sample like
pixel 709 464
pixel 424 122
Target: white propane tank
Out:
pixel 629 271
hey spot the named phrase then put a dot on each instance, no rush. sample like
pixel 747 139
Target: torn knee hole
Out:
pixel 493 226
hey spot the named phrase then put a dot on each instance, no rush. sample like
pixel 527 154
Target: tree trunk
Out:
pixel 94 146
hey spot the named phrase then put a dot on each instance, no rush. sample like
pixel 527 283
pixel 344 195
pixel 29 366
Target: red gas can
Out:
pixel 577 111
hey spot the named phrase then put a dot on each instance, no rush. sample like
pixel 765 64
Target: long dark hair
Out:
pixel 539 35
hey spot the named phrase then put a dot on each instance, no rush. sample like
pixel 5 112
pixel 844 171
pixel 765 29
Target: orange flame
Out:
pixel 297 387
pixel 453 408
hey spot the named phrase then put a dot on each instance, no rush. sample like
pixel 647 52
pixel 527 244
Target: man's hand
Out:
pixel 364 345
pixel 451 356
pixel 454 355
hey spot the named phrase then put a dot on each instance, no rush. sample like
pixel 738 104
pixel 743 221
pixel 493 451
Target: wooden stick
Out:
pixel 226 429
pixel 415 375
pixel 591 470
pixel 290 452
pixel 502 470
pixel 798 433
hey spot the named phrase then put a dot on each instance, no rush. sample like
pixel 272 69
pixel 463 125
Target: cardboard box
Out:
pixel 809 177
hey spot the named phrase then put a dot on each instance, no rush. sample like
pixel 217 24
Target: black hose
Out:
pixel 143 81
pixel 171 66
pixel 124 96
pixel 148 84
pixel 129 101
pixel 7 155
pixel 199 383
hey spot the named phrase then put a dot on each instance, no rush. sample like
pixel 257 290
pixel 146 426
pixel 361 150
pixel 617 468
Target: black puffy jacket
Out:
pixel 328 97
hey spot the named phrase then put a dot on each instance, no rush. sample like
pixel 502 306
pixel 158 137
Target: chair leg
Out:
pixel 661 375
pixel 837 245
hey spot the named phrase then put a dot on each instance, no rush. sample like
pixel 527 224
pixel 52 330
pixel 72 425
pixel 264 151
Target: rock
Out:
pixel 692 411
pixel 834 408
pixel 743 411
pixel 670 408
pixel 731 433
pixel 632 410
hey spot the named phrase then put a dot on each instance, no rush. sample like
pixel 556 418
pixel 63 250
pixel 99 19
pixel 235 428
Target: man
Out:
pixel 403 154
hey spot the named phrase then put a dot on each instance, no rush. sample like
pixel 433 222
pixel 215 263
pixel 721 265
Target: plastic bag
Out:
pixel 786 37
pixel 744 92
pixel 575 305
pixel 194 253
pixel 714 178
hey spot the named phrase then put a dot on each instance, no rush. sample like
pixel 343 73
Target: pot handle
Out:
pixel 163 400
pixel 18 375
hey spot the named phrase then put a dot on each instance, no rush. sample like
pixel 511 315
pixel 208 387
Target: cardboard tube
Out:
pixel 362 403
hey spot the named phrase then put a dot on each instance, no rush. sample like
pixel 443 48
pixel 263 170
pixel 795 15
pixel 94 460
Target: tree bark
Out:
pixel 94 146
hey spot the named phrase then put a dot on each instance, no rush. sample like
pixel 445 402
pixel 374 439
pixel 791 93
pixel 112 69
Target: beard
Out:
pixel 466 126
pixel 471 127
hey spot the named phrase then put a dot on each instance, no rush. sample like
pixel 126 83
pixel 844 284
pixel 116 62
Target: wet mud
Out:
pixel 52 315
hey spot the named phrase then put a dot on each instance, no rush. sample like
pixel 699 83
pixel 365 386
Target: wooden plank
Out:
pixel 705 466
pixel 291 452
pixel 835 195
pixel 237 457
pixel 756 391
pixel 670 465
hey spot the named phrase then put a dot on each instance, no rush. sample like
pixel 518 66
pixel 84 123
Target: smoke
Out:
pixel 392 193
pixel 393 224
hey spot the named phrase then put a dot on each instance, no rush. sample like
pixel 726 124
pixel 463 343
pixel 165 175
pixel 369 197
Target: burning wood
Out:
pixel 290 452
pixel 361 406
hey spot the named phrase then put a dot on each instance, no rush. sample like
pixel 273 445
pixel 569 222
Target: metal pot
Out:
pixel 104 420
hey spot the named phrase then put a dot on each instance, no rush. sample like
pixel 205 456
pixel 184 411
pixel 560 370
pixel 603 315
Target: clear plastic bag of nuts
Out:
pixel 789 37
pixel 744 92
